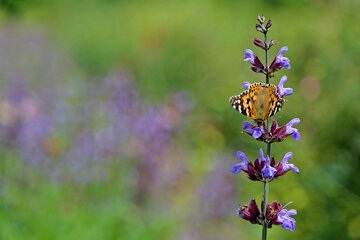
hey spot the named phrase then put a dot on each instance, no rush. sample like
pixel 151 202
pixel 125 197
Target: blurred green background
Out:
pixel 115 121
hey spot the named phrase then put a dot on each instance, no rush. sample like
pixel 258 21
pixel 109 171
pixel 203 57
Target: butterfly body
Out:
pixel 259 102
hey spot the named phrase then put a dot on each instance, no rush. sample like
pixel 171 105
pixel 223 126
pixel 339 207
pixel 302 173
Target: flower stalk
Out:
pixel 260 101
pixel 268 147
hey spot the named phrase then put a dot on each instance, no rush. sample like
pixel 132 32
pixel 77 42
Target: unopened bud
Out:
pixel 259 28
pixel 268 24
pixel 261 19
pixel 258 43
pixel 272 43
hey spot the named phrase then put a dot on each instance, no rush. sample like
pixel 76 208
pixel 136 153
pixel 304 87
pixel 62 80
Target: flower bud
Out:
pixel 272 43
pixel 268 24
pixel 258 43
pixel 261 19
pixel 259 28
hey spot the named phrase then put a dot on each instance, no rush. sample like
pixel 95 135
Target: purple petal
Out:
pixel 283 80
pixel 292 212
pixel 257 132
pixel 296 134
pixel 284 91
pixel 249 56
pixel 293 131
pixel 268 171
pixel 286 220
pixel 289 223
pixel 293 122
pixel 287 92
pixel 246 85
pixel 282 51
pixel 284 62
pixel 287 157
pixel 261 153
pixel 239 167
pixel 293 167
pixel 248 127
pixel 242 157
pixel 253 208
pixel 286 167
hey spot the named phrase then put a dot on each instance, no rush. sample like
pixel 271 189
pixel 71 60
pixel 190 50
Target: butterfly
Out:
pixel 259 102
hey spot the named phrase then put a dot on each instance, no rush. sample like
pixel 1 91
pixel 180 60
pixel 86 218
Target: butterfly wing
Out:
pixel 275 101
pixel 243 104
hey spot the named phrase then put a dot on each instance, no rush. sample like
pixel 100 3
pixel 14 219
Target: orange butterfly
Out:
pixel 259 102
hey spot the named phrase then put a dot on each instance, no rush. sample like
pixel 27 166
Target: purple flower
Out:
pixel 255 132
pixel 276 133
pixel 250 56
pixel 250 212
pixel 293 131
pixel 275 214
pixel 280 61
pixel 284 61
pixel 241 166
pixel 283 166
pixel 284 91
pixel 264 169
pixel 268 171
pixel 254 60
pixel 246 85
pixel 285 219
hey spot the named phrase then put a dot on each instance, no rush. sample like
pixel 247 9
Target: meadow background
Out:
pixel 115 121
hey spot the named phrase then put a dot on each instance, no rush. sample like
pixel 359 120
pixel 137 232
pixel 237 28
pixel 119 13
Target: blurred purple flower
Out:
pixel 217 193
pixel 110 120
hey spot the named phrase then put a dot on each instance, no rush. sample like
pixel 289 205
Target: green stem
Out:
pixel 266 196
